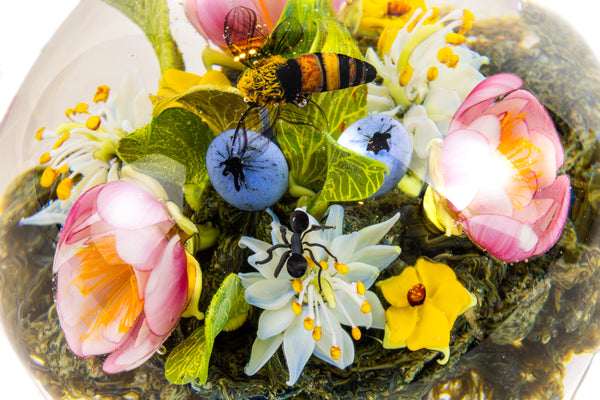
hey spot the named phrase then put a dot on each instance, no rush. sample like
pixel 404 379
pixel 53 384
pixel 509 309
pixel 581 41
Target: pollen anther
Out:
pixel 356 334
pixel 365 308
pixel 335 352
pixel 296 308
pixel 309 324
pixel 297 285
pixel 341 268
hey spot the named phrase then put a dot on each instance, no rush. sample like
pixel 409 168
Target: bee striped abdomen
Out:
pixel 320 72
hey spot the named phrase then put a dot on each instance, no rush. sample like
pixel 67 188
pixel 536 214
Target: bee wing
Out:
pixel 244 33
pixel 311 114
pixel 284 38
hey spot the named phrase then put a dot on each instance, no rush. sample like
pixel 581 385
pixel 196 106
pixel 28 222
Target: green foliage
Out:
pixel 189 360
pixel 152 16
pixel 176 137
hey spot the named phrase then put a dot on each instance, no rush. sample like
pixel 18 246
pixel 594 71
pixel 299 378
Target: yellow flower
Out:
pixel 425 301
pixel 379 15
pixel 174 81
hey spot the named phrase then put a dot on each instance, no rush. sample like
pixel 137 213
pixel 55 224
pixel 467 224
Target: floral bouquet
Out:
pixel 355 199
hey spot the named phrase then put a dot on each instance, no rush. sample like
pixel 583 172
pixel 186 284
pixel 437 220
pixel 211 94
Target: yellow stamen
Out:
pixel 360 288
pixel 323 265
pixel 38 134
pixel 455 39
pixel 405 75
pixel 61 140
pixel 93 122
pixel 68 112
pixel 48 177
pixel 296 308
pixel 112 282
pixel 63 190
pixel 468 14
pixel 365 308
pixel 341 268
pixel 44 158
pixel 310 262
pixel 444 54
pixel 466 26
pixel 356 334
pixel 317 333
pixel 434 16
pixel 309 323
pixel 335 352
pixel 297 285
pixel 432 73
pixel 414 23
pixel 453 62
pixel 101 93
pixel 81 108
pixel 63 169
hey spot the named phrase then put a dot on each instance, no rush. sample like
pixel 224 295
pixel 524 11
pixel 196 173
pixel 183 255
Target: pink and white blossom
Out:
pixel 498 170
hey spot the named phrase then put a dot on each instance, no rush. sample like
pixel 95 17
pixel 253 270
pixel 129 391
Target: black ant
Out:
pixel 296 263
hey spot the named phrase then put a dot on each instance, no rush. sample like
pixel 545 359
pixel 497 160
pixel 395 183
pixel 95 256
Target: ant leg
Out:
pixel 317 228
pixel 322 247
pixel 270 252
pixel 284 257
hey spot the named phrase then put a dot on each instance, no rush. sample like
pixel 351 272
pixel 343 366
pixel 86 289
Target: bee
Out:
pixel 273 81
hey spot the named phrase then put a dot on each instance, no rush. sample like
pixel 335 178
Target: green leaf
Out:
pixel 190 359
pixel 174 136
pixel 220 108
pixel 350 176
pixel 152 16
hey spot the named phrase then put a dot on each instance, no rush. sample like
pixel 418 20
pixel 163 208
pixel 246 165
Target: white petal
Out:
pixel 273 322
pixel 379 256
pixel 342 340
pixel 371 235
pixel 269 294
pixel 250 278
pixel 298 346
pixel 262 351
pixel 377 311
pixel 343 247
pixel 335 217
pixel 365 273
pixel 53 213
pixel 357 317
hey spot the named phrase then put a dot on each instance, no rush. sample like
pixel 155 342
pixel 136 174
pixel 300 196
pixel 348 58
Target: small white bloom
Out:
pixel 306 314
pixel 85 146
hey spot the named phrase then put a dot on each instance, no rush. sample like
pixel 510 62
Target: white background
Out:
pixel 25 27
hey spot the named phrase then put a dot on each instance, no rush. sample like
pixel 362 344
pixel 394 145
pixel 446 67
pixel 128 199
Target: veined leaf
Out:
pixel 350 176
pixel 190 359
pixel 176 134
pixel 152 16
pixel 220 108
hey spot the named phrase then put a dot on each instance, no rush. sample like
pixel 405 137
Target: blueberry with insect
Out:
pixel 294 258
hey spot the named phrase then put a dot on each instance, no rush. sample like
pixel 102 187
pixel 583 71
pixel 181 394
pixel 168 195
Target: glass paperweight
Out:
pixel 303 199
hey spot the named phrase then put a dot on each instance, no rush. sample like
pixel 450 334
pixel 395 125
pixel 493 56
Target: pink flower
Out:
pixel 498 165
pixel 122 280
pixel 208 16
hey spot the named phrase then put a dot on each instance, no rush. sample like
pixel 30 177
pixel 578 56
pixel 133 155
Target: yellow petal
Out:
pixel 432 330
pixel 215 77
pixel 453 299
pixel 395 289
pixel 400 324
pixel 433 275
pixel 174 81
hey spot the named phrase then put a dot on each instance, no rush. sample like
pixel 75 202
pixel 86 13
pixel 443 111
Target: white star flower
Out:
pixel 306 313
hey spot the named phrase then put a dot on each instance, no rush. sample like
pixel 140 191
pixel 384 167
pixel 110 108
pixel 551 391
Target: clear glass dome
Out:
pixel 531 315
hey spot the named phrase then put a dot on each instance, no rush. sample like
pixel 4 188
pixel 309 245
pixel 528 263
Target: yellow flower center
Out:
pixel 112 282
pixel 416 295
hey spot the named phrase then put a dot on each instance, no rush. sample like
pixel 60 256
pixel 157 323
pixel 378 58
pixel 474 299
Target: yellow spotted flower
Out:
pixel 83 150
pixel 425 301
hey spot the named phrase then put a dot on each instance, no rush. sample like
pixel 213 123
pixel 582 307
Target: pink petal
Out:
pixel 71 306
pixel 491 199
pixel 139 345
pixel 139 248
pixel 81 210
pixel 482 96
pixel 551 225
pixel 166 290
pixel 503 237
pixel 124 205
pixel 545 165
pixel 488 126
pixel 463 153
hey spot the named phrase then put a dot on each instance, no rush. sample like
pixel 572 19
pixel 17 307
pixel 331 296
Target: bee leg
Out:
pixel 270 253
pixel 284 257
